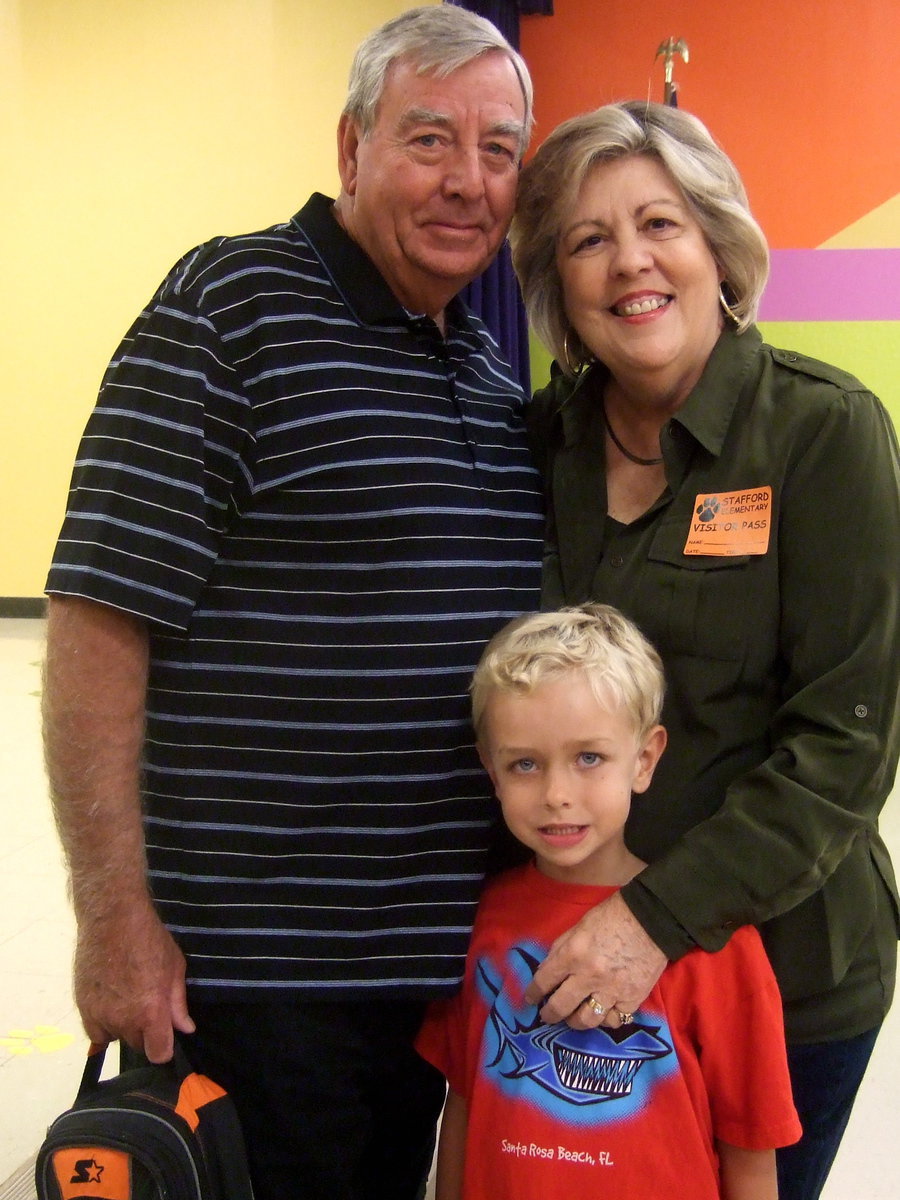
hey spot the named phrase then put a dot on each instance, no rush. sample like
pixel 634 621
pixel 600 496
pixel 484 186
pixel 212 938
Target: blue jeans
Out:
pixel 825 1077
pixel 334 1102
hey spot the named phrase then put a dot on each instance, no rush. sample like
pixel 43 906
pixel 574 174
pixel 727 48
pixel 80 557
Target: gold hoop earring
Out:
pixel 574 367
pixel 726 307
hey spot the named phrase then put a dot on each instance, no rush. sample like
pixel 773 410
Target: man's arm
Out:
pixel 129 973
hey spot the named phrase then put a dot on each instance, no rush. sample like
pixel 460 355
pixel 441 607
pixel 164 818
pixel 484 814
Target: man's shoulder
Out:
pixel 277 249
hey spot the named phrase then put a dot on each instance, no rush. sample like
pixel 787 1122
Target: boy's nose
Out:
pixel 556 793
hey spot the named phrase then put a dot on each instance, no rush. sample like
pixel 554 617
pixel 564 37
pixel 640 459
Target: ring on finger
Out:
pixel 625 1018
pixel 595 1006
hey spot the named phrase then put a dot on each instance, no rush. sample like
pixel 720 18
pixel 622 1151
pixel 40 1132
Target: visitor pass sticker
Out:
pixel 731 523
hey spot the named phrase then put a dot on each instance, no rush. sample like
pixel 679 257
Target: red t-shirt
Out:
pixel 624 1114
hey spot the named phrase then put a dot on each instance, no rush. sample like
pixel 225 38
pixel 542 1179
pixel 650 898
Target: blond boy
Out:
pixel 688 1095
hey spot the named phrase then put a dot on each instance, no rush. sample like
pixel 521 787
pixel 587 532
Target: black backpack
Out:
pixel 159 1132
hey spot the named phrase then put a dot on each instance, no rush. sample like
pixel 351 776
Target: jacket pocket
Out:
pixel 707 601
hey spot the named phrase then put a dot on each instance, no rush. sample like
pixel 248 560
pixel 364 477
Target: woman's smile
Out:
pixel 638 306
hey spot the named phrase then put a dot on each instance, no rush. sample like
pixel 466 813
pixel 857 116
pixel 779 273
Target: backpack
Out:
pixel 159 1132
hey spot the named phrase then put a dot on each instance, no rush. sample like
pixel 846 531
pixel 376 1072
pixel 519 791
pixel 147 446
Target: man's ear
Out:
pixel 348 140
pixel 648 756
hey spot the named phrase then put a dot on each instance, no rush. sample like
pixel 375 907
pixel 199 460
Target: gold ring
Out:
pixel 625 1018
pixel 595 1006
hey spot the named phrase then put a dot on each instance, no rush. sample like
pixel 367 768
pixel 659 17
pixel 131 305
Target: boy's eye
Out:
pixel 590 758
pixel 523 766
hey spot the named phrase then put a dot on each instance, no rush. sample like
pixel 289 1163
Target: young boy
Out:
pixel 689 1095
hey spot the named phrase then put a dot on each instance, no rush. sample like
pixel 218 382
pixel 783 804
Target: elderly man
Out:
pixel 302 505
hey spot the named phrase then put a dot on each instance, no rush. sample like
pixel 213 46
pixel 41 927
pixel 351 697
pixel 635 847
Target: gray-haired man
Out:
pixel 303 504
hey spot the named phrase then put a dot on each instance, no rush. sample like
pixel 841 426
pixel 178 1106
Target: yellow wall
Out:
pixel 130 130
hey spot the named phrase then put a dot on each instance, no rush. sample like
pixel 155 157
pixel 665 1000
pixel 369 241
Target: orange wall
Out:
pixel 804 95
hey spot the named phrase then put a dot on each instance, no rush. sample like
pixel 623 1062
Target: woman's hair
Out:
pixel 709 181
pixel 620 664
pixel 439 40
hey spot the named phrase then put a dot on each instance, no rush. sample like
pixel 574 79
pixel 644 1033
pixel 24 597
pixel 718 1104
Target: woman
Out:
pixel 742 504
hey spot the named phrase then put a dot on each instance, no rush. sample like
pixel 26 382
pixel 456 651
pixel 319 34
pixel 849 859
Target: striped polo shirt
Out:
pixel 323 509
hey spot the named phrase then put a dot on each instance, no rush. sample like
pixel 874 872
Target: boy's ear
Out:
pixel 648 756
pixel 486 763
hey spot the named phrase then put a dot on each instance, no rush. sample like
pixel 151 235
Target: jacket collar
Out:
pixel 579 478
pixel 709 409
pixel 706 414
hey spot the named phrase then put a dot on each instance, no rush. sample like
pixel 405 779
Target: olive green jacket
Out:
pixel 768 576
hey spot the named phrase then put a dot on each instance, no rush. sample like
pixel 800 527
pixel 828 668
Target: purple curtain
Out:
pixel 495 295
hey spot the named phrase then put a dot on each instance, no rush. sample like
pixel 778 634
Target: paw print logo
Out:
pixel 708 508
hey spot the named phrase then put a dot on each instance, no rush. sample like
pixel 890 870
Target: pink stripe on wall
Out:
pixel 833 285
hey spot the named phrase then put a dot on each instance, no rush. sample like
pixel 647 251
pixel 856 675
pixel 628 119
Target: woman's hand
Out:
pixel 607 957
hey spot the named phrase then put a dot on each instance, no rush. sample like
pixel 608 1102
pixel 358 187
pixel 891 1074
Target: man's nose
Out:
pixel 465 173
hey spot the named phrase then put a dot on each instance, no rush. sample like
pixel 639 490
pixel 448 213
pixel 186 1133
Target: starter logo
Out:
pixel 731 523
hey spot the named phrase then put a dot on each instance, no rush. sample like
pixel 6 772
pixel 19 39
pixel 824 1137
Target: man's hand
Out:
pixel 607 956
pixel 129 974
pixel 129 981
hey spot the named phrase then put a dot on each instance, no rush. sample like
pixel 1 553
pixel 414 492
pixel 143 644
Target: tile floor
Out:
pixel 41 1042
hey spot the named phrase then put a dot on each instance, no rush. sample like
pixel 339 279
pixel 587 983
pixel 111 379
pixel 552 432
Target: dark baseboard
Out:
pixel 23 606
